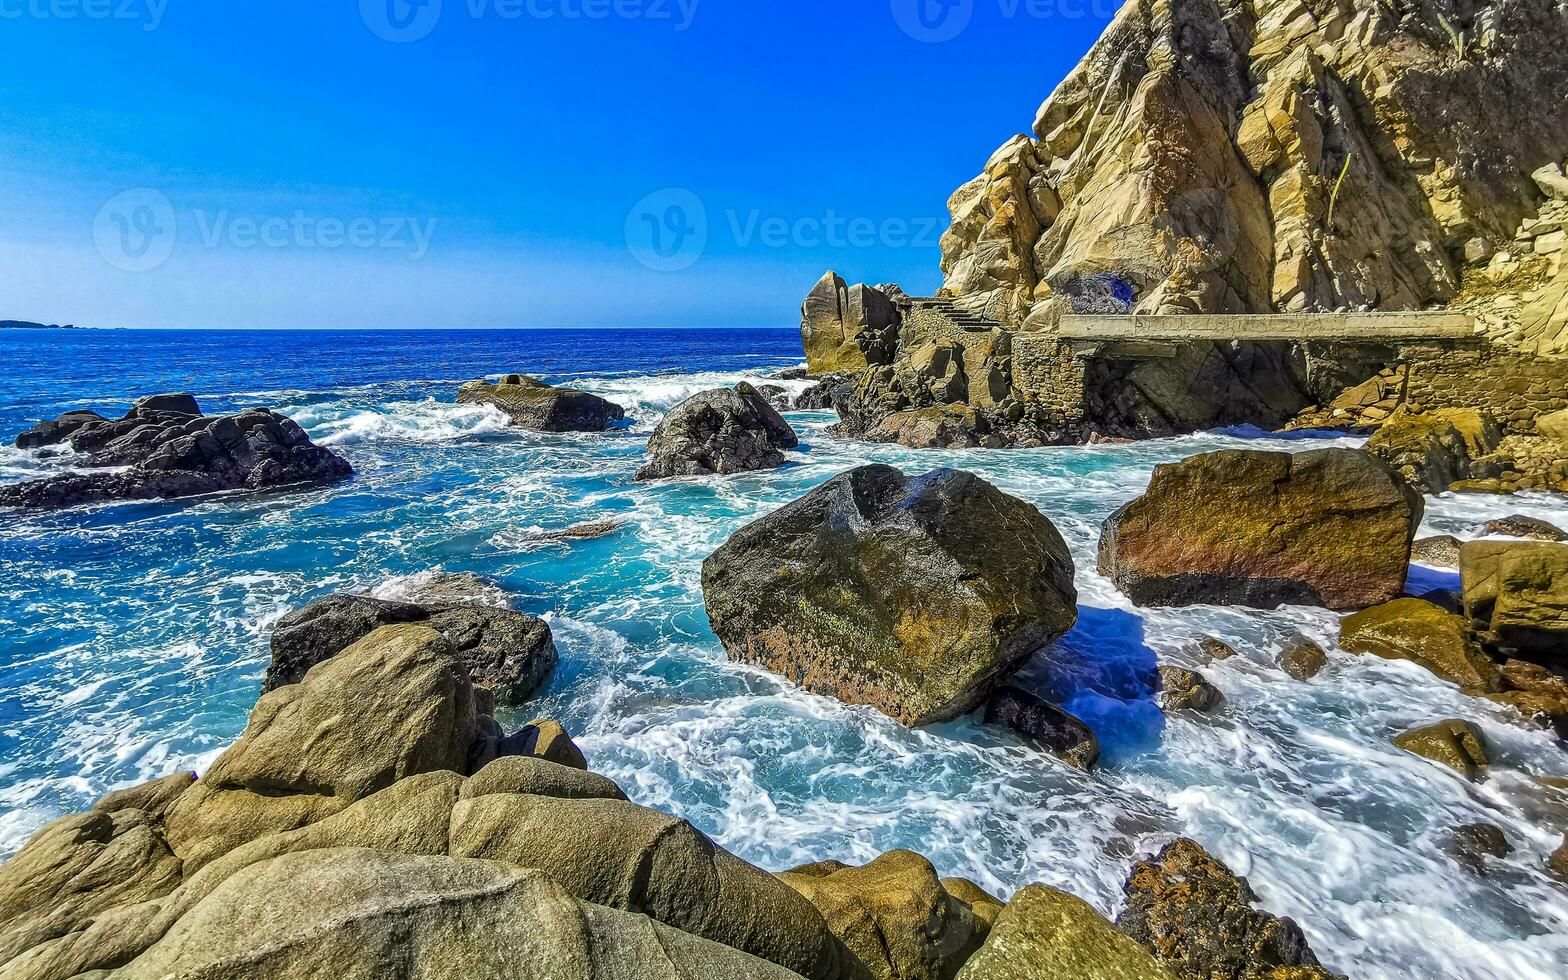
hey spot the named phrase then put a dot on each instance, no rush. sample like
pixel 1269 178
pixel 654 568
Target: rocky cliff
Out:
pixel 1285 155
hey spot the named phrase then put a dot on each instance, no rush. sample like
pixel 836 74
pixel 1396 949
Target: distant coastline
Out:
pixel 29 325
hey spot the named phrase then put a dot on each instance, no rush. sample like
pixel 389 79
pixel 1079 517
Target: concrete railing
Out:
pixel 1362 327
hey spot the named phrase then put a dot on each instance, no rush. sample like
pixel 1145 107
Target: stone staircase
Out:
pixel 965 320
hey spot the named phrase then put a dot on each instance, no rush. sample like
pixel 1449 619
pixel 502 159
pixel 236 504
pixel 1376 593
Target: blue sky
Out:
pixel 496 163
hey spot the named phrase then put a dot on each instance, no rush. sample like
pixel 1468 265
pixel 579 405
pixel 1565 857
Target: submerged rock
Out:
pixel 1045 934
pixel 532 404
pixel 724 431
pixel 506 653
pixel 1472 843
pixel 1046 725
pixel 1517 595
pixel 168 449
pixel 1330 527
pixel 894 915
pixel 1454 743
pixel 915 595
pixel 1529 528
pixel 1418 631
pixel 1198 919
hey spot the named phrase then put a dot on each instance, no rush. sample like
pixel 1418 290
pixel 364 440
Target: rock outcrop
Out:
pixel 1198 919
pixel 532 404
pixel 1330 527
pixel 506 653
pixel 916 596
pixel 1206 157
pixel 723 431
pixel 1434 450
pixel 849 328
pixel 164 447
pixel 1046 934
pixel 1517 595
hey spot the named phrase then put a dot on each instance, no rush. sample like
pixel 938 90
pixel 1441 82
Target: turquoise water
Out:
pixel 133 640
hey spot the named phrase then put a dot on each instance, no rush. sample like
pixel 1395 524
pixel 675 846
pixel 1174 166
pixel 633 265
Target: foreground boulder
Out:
pixel 1331 527
pixel 1045 934
pixel 532 404
pixel 1517 595
pixel 506 653
pixel 358 913
pixel 894 915
pixel 1197 918
pixel 915 596
pixel 165 448
pixel 1411 629
pixel 727 430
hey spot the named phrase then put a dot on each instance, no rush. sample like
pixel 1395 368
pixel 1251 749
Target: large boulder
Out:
pixel 507 653
pixel 916 596
pixel 847 328
pixel 358 914
pixel 532 404
pixel 937 427
pixel 165 448
pixel 1415 630
pixel 1517 594
pixel 397 703
pixel 1330 527
pixel 1198 919
pixel 1045 934
pixel 894 915
pixel 1433 450
pixel 724 431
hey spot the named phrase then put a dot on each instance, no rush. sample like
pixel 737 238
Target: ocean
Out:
pixel 133 640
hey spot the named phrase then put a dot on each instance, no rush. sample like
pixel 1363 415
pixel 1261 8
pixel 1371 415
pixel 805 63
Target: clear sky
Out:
pixel 496 163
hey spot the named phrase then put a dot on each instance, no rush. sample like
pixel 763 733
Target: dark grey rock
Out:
pixel 727 430
pixel 1046 725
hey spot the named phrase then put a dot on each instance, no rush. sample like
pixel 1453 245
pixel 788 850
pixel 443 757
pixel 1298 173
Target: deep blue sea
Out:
pixel 133 639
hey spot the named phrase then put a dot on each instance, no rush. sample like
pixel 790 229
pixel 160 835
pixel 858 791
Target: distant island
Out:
pixel 29 325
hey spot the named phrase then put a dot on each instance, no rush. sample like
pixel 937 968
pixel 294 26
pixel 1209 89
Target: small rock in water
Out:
pixel 1529 528
pixel 1045 724
pixel 586 531
pixel 1472 843
pixel 1187 690
pixel 1198 919
pixel 532 404
pixel 724 431
pixel 1303 659
pixel 1437 552
pixel 1216 649
pixel 1454 743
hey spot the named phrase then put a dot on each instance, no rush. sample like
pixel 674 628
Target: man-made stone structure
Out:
pixel 166 448
pixel 1330 527
pixel 914 595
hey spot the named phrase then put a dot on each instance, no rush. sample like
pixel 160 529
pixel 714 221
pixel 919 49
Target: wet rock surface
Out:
pixel 506 653
pixel 915 595
pixel 1044 724
pixel 1456 744
pixel 719 432
pixel 165 448
pixel 1330 527
pixel 532 404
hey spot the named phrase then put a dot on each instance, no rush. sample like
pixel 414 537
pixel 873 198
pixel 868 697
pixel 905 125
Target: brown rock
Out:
pixel 1455 744
pixel 1186 690
pixel 1303 659
pixel 1517 594
pixel 1410 629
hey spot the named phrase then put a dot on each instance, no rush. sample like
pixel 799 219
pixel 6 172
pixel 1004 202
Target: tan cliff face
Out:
pixel 1282 155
